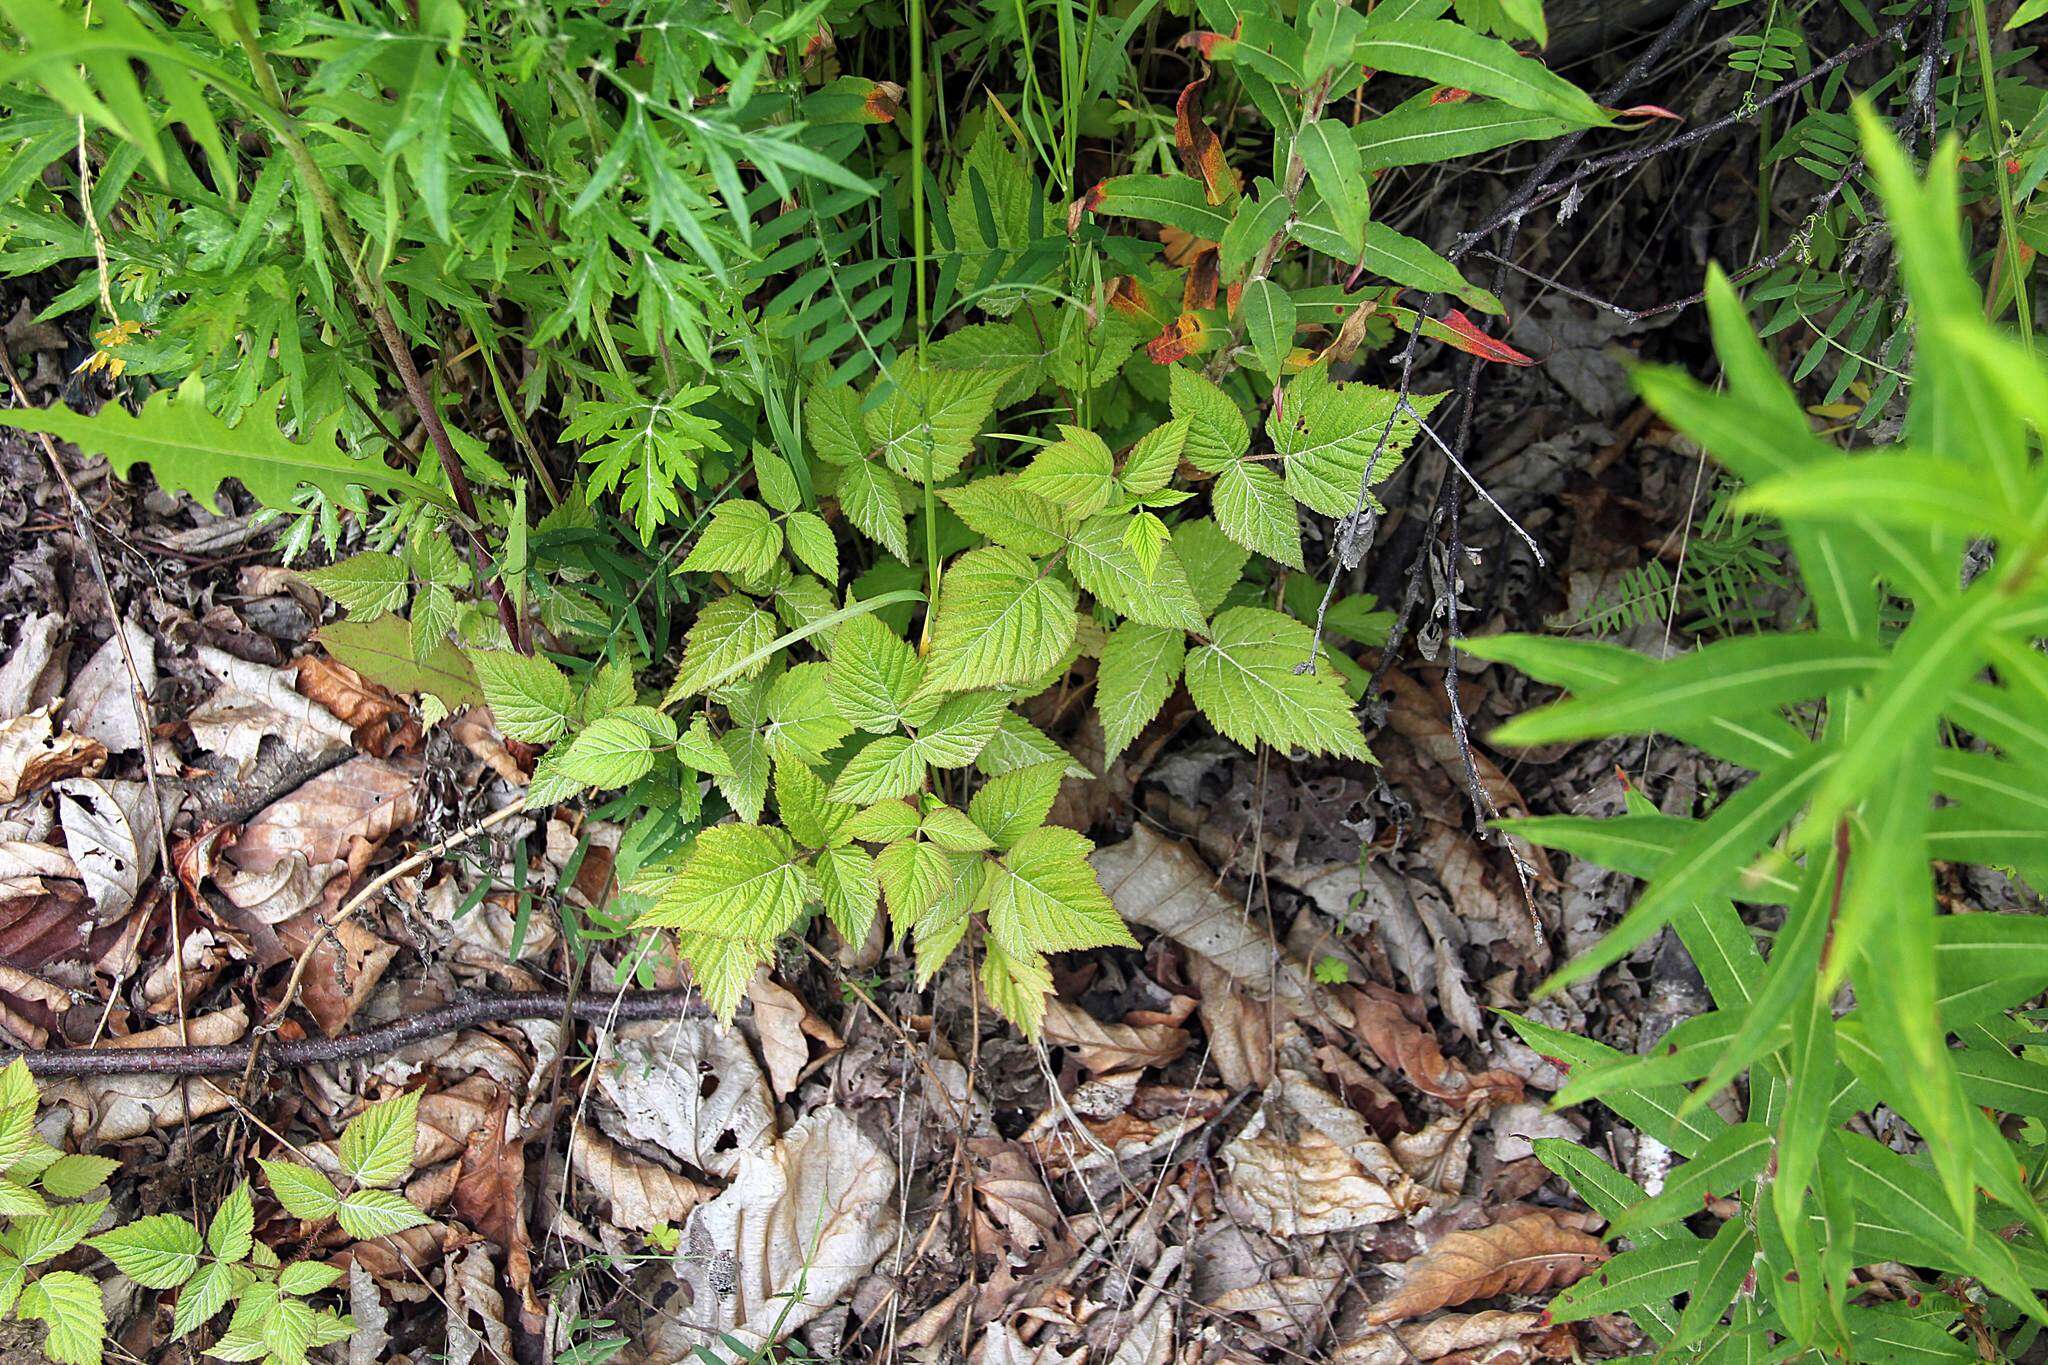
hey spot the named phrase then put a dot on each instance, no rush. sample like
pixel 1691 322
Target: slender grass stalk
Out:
pixel 2008 230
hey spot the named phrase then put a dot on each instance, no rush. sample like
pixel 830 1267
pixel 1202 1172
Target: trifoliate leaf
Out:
pixel 530 698
pixel 1254 508
pixel 914 875
pixel 741 881
pixel 204 1295
pixel 699 749
pixel 1244 681
pixel 618 750
pixel 376 1213
pixel 885 822
pixel 1106 567
pixel 810 539
pixel 304 1193
pixel 1076 473
pixel 812 818
pixel 17 1199
pixel 69 1305
pixel 1213 561
pixel 1000 621
pixel 745 781
pixel 46 1236
pixel 367 585
pixel 832 417
pixel 1043 895
pixel 887 767
pixel 1011 806
pixel 1016 984
pixel 1327 435
pixel 1217 433
pixel 802 723
pixel 1009 514
pixel 189 450
pixel 376 1147
pixel 1152 461
pixel 926 427
pixel 741 538
pixel 728 642
pixel 307 1277
pixel 851 889
pixel 874 676
pixel 951 830
pixel 71 1176
pixel 776 484
pixel 232 1232
pixel 1139 669
pixel 872 498
pixel 957 732
pixel 157 1252
pixel 1020 744
pixel 288 1330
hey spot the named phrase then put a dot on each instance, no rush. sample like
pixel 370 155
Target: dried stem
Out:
pixel 233 1057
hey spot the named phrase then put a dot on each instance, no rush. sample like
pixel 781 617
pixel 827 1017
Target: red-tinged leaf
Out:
pixel 1450 94
pixel 1351 332
pixel 1186 335
pixel 1466 336
pixel 1201 151
pixel 1087 203
pixel 1204 274
pixel 1648 111
pixel 1207 43
pixel 883 101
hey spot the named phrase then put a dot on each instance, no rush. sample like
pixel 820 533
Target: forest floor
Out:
pixel 1291 1127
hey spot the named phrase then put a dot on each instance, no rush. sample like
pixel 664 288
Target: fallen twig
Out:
pixel 231 1057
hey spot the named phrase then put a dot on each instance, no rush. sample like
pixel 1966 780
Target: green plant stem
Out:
pixel 919 248
pixel 2009 237
pixel 369 289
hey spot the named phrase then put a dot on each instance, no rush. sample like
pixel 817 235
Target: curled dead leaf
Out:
pixel 382 724
pixel 255 701
pixel 33 754
pixel 1110 1047
pixel 1524 1255
pixel 1413 1050
pixel 1437 1338
pixel 640 1193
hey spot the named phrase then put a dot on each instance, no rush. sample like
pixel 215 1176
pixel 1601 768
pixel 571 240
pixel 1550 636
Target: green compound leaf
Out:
pixel 377 1145
pixel 367 585
pixel 1000 621
pixel 158 1252
pixel 69 1305
pixel 1044 897
pixel 1140 666
pixel 530 698
pixel 304 1193
pixel 742 538
pixel 1244 681
pixel 375 1213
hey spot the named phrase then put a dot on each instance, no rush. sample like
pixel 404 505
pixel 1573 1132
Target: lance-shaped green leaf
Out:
pixel 1721 1269
pixel 189 450
pixel 1445 53
pixel 1422 132
pixel 1734 1156
pixel 1655 1110
pixel 1177 201
pixel 1326 149
pixel 1650 1276
pixel 1269 317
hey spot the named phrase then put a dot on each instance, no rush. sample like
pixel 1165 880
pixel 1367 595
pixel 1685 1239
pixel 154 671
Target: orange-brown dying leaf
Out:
pixel 1201 151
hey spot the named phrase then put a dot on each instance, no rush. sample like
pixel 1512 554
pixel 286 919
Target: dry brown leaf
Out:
pixel 365 798
pixel 1110 1047
pixel 1437 1338
pixel 1001 1345
pixel 111 831
pixel 1307 1164
pixel 1358 1088
pixel 380 723
pixel 1015 1215
pixel 100 703
pixel 32 675
pixel 1284 1305
pixel 1165 886
pixel 476 1310
pixel 1413 1051
pixel 345 968
pixel 370 1343
pixel 33 754
pixel 491 1197
pixel 255 700
pixel 1524 1255
pixel 1239 1028
pixel 640 1193
pixel 690 1088
pixel 778 1019
pixel 473 730
pixel 818 1209
pixel 1439 1155
pixel 116 1108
